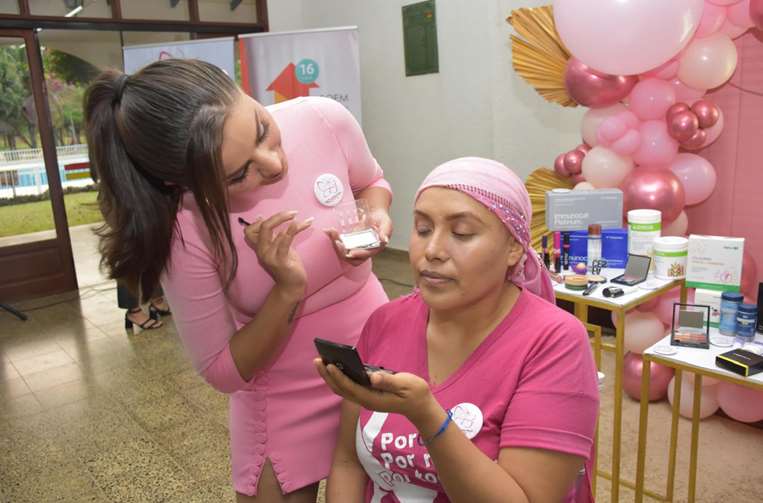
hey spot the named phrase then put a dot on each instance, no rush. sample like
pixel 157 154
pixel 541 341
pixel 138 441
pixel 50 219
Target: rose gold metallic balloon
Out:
pixel 559 166
pixel 595 89
pixel 677 108
pixel 682 126
pixel 697 141
pixel 573 161
pixel 655 189
pixel 707 113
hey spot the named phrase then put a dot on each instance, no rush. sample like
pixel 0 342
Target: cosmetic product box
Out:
pixel 614 247
pixel 572 210
pixel 740 361
pixel 714 263
pixel 710 298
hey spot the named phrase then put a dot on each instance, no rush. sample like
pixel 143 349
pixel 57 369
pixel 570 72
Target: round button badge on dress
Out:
pixel 328 189
pixel 468 417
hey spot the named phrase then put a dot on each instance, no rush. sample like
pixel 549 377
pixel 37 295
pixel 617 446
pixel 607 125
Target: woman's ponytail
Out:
pixel 152 136
pixel 139 212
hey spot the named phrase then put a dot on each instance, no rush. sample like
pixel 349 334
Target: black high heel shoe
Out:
pixel 150 324
pixel 155 312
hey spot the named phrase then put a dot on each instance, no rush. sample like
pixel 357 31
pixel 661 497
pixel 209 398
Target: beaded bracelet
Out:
pixel 442 429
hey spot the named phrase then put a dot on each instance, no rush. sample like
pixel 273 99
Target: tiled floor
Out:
pixel 88 413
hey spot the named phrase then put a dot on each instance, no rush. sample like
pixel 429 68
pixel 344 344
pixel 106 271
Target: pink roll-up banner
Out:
pixel 736 206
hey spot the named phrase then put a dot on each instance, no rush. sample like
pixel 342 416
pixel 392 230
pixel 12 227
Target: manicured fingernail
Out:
pixel 243 222
pixel 310 220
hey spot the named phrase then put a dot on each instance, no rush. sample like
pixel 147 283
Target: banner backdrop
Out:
pixel 218 51
pixel 277 67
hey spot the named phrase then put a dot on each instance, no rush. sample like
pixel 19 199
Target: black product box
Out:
pixel 740 361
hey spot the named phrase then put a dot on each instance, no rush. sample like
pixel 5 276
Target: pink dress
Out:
pixel 531 383
pixel 285 413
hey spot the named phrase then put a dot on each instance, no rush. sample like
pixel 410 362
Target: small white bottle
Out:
pixel 594 244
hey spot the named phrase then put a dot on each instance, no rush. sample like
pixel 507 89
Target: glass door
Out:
pixel 35 254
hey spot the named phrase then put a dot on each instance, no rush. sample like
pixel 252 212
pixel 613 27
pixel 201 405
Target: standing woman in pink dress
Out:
pixel 231 206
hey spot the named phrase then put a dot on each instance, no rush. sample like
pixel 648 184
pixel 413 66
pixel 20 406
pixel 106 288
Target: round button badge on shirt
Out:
pixel 468 418
pixel 328 189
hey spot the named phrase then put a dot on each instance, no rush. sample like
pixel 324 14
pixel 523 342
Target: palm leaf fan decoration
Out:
pixel 538 183
pixel 538 54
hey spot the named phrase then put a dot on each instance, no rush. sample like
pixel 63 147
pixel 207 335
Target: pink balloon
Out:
pixel 708 62
pixel 712 19
pixel 659 377
pixel 657 147
pixel 697 176
pixel 630 119
pixel 697 141
pixel 707 113
pixel 756 13
pixel 708 400
pixel 749 275
pixel 593 119
pixel 739 14
pixel 685 93
pixel 577 179
pixel 651 98
pixel 654 189
pixel 594 89
pixel 604 168
pixel 559 166
pixel 641 331
pixel 573 161
pixel 611 130
pixel 601 33
pixel 665 71
pixel 715 131
pixel 683 125
pixel 740 403
pixel 628 144
pixel 678 227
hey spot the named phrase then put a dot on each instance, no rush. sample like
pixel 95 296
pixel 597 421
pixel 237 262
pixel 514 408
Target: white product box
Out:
pixel 714 262
pixel 710 298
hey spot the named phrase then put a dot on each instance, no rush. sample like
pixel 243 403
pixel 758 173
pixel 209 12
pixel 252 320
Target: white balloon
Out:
pixel 708 62
pixel 604 168
pixel 583 186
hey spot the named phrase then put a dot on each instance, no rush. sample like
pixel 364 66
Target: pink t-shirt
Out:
pixel 531 383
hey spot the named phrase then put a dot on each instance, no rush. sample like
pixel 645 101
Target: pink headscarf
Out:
pixel 502 192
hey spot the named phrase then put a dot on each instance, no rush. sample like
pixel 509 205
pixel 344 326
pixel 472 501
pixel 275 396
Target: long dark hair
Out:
pixel 151 136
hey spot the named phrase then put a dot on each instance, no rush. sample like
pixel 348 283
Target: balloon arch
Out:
pixel 643 67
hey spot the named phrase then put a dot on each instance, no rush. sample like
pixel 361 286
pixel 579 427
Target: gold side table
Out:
pixel 702 363
pixel 634 297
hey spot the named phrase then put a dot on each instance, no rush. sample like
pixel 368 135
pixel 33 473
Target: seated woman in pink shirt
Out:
pixel 495 396
pixel 226 201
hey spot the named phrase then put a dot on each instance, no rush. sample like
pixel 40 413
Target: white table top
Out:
pixel 632 293
pixel 704 359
